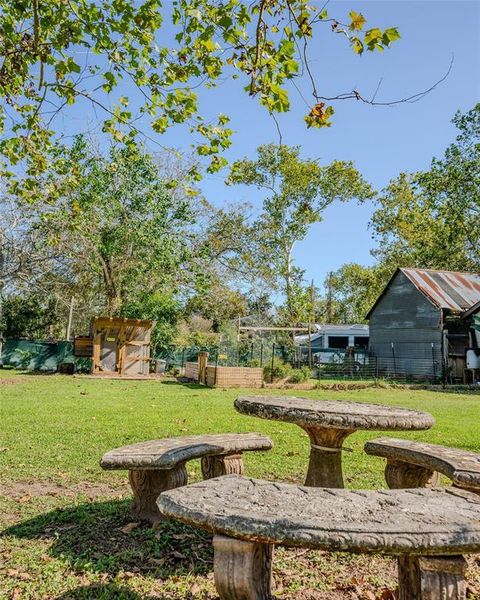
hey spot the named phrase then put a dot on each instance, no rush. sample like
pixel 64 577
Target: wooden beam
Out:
pixel 273 328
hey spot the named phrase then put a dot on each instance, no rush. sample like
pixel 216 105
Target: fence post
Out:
pixel 261 354
pixel 394 361
pixel 273 357
pixel 202 367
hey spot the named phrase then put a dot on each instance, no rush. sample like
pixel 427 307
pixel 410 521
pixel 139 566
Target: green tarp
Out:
pixel 36 356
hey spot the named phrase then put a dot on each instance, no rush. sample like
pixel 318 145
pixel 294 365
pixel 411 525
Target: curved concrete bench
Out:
pixel 415 464
pixel 248 516
pixel 158 465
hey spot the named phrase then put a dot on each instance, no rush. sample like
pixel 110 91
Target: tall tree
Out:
pixel 297 192
pixel 354 289
pixel 56 53
pixel 432 218
pixel 122 225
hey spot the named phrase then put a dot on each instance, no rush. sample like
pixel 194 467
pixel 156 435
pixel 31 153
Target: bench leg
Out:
pixel 431 578
pixel 147 487
pixel 216 466
pixel 243 570
pixel 402 475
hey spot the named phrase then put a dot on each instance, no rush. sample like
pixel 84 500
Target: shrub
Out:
pixel 280 370
pixel 300 375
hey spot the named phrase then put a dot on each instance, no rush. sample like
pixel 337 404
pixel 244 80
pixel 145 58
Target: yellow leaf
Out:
pixel 358 21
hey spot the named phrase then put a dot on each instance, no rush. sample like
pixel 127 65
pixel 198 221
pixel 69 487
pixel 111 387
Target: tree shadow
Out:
pixel 103 537
pixel 107 591
pixel 188 383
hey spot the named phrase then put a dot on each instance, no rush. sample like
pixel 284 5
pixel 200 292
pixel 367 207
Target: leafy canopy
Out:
pixel 122 224
pixel 56 53
pixel 431 219
pixel 297 192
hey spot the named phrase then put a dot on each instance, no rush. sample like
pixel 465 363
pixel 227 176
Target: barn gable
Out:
pixel 415 312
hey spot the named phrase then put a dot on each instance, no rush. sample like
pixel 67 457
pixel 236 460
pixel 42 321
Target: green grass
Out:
pixel 63 515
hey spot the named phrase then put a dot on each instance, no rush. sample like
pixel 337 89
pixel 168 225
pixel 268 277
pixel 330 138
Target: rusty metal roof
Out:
pixel 447 289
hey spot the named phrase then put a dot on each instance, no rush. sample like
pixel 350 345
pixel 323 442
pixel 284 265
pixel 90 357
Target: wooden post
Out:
pixel 202 367
pixel 96 351
pixel 121 345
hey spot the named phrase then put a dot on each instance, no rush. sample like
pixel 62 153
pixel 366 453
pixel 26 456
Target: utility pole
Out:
pixel 329 307
pixel 310 321
pixel 70 317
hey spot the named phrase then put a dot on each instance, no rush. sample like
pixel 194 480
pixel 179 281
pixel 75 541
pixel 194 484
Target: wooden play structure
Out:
pixel 117 346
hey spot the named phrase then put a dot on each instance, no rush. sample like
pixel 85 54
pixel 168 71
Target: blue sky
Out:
pixel 382 141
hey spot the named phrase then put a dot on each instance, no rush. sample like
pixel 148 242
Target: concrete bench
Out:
pixel 415 464
pixel 427 529
pixel 159 465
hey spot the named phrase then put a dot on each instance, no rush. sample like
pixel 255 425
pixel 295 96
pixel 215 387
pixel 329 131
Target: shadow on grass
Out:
pixel 188 383
pixel 102 537
pixel 108 591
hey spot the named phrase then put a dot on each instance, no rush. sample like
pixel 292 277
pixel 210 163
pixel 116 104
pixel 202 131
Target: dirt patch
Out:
pixel 18 490
pixel 9 381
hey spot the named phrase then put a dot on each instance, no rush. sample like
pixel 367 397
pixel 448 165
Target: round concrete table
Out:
pixel 328 423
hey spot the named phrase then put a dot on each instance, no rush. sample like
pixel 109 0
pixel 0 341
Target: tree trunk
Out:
pixel 113 297
pixel 288 282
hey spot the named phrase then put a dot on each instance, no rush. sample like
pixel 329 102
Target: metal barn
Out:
pixel 416 325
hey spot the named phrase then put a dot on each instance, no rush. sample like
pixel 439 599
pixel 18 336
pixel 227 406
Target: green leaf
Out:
pixel 390 35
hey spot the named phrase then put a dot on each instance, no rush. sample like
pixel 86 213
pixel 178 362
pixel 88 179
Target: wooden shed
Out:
pixel 118 346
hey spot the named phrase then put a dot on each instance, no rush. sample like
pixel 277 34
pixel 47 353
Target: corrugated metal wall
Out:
pixel 406 319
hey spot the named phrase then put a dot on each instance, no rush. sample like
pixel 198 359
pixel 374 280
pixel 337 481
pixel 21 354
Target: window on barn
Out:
pixel 361 341
pixel 338 341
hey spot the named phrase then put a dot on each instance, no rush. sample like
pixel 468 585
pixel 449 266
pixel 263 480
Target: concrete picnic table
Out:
pixel 328 423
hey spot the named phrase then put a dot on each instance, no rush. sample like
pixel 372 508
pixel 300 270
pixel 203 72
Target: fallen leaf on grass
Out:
pixel 129 527
pixel 157 561
pixel 16 594
pixel 387 594
pixel 182 536
pixel 19 574
pixel 178 555
pixel 127 575
pixel 195 589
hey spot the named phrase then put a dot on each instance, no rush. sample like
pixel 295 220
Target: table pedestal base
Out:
pixel 325 466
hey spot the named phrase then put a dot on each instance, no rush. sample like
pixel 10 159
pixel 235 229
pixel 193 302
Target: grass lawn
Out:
pixel 66 528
